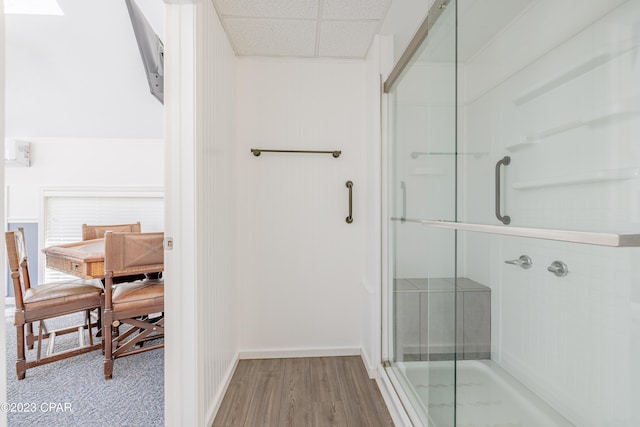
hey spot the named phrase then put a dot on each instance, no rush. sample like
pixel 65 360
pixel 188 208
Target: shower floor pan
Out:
pixel 486 396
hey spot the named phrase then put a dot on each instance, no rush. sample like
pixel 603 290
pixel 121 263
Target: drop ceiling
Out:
pixel 302 28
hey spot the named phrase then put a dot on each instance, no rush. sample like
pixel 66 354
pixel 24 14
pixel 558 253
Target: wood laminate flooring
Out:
pixel 302 392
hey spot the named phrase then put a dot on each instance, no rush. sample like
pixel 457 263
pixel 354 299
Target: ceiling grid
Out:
pixel 302 28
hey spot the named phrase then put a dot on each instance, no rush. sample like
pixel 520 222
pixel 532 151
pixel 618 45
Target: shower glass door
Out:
pixel 514 216
pixel 554 87
pixel 422 267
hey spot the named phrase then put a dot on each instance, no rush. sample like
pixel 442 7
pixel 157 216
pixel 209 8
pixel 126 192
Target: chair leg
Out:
pixel 21 363
pixel 107 339
pixel 108 369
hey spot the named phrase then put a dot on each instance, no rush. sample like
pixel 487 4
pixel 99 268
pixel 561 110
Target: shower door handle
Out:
pixel 504 219
pixel 349 185
pixel 403 187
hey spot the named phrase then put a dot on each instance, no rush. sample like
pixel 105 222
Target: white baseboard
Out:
pixel 372 369
pixel 217 401
pixel 291 353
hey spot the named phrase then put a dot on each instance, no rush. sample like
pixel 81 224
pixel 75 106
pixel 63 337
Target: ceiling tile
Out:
pixel 301 9
pixel 346 39
pixel 270 37
pixel 354 9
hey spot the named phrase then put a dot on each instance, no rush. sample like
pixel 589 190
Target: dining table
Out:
pixel 83 259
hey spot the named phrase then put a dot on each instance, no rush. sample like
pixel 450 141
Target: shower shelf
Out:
pixel 626 109
pixel 567 75
pixel 583 237
pixel 534 138
pixel 584 178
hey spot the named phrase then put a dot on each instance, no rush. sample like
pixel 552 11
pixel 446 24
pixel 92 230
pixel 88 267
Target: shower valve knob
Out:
pixel 558 268
pixel 524 262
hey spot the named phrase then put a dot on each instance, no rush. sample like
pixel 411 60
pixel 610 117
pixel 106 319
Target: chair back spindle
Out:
pixel 14 243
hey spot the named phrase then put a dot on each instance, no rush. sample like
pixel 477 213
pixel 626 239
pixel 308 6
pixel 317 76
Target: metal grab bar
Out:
pixel 504 219
pixel 349 185
pixel 257 151
pixel 403 187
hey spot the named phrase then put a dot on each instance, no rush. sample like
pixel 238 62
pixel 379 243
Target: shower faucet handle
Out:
pixel 523 262
pixel 558 268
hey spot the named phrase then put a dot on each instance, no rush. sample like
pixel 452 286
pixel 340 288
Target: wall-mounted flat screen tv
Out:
pixel 151 50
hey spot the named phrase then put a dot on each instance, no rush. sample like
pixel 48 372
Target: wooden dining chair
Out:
pixel 90 232
pixel 47 301
pixel 138 305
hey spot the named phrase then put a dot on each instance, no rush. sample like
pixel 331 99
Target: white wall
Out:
pixel 76 90
pixel 81 163
pixel 301 266
pixel 78 75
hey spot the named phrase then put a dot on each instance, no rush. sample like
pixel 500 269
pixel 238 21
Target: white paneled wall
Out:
pixel 202 306
pixel 301 266
pixel 216 171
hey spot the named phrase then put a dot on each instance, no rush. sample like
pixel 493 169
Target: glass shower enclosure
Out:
pixel 513 216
